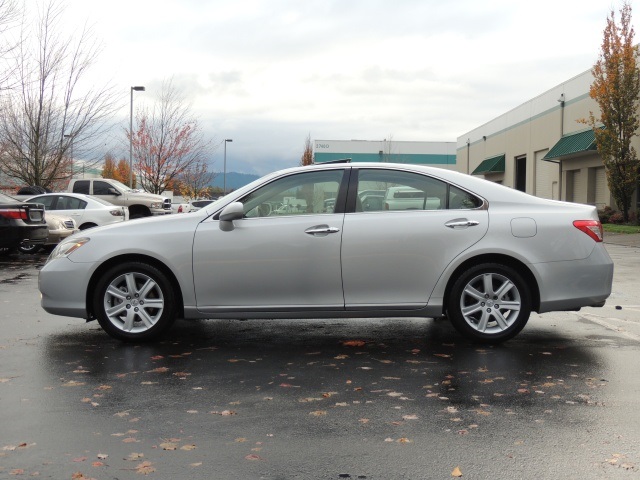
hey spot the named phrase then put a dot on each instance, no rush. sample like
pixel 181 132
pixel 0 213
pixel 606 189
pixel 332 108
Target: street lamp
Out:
pixel 137 89
pixel 224 187
pixel 71 152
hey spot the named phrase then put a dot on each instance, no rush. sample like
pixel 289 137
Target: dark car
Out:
pixel 21 223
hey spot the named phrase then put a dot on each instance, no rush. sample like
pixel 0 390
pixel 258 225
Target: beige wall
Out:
pixel 531 130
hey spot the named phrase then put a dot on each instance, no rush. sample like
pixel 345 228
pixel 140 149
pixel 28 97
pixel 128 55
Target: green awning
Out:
pixel 573 144
pixel 490 165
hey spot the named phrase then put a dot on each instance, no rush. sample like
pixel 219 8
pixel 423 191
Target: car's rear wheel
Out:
pixel 134 302
pixel 489 303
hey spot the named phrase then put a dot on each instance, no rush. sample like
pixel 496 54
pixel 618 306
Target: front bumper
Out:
pixel 63 287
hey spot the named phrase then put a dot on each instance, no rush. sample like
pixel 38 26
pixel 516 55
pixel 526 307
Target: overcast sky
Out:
pixel 266 73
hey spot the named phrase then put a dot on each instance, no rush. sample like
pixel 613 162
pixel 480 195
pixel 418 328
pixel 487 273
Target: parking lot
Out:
pixel 321 399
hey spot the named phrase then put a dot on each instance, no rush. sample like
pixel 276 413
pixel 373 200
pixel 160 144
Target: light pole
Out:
pixel 137 89
pixel 224 182
pixel 71 152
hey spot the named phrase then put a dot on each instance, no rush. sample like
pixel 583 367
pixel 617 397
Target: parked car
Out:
pixel 198 204
pixel 180 207
pixel 20 224
pixel 140 203
pixel 87 211
pixel 59 228
pixel 486 257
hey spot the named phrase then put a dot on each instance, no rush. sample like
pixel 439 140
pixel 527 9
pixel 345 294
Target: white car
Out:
pixel 485 256
pixel 60 227
pixel 86 210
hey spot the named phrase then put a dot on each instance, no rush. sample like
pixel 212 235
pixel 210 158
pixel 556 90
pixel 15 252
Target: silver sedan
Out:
pixel 482 254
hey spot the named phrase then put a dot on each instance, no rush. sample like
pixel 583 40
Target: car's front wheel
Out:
pixel 489 303
pixel 134 302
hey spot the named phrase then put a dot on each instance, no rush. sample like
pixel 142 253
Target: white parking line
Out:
pixel 602 321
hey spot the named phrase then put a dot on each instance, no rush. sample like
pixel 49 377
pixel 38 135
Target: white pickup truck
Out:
pixel 140 203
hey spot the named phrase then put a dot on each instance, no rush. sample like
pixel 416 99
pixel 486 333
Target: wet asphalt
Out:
pixel 320 399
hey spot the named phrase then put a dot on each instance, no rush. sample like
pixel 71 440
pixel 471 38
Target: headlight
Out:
pixel 156 205
pixel 65 249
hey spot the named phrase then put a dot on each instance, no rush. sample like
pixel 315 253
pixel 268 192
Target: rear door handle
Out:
pixel 461 223
pixel 321 230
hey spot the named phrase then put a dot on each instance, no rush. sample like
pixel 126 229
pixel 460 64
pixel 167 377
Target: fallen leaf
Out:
pixel 410 417
pixel 145 468
pixel 456 472
pixel 318 413
pixel 158 370
pixel 135 456
pixel 224 413
pixel 168 446
pixel 188 447
pixel 72 383
pixel 354 343
pixel 253 457
pixel 404 440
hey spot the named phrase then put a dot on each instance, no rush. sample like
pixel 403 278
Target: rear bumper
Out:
pixel 574 284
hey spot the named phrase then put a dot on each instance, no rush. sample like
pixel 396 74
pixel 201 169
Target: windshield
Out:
pixel 7 199
pixel 102 202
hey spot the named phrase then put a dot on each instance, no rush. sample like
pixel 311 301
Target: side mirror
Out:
pixel 113 191
pixel 233 211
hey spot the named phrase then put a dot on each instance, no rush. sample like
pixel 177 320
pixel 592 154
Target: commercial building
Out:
pixel 542 148
pixel 436 154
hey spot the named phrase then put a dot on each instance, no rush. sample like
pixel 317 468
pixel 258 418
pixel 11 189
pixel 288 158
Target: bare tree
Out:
pixel 9 17
pixel 48 114
pixel 195 181
pixel 168 142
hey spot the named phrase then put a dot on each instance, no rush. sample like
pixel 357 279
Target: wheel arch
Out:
pixel 514 263
pixel 86 225
pixel 133 258
pixel 139 210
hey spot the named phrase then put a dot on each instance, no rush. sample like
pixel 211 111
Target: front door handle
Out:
pixel 321 230
pixel 461 223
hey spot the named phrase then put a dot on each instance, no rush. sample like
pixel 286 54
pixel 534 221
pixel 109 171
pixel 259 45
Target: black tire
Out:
pixel 141 315
pixel 29 249
pixel 489 303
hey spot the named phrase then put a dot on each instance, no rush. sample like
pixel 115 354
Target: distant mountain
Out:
pixel 234 180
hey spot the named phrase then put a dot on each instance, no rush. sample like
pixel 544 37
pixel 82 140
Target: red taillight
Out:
pixel 180 209
pixel 14 214
pixel 593 228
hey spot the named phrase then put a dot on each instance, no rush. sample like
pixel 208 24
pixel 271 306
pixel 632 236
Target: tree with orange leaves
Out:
pixel 307 153
pixel 615 88
pixel 168 141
